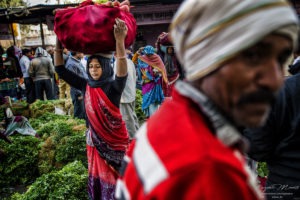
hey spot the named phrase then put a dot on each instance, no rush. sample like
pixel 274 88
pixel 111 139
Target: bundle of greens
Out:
pixel 19 165
pixel 68 183
pixel 63 141
pixel 138 107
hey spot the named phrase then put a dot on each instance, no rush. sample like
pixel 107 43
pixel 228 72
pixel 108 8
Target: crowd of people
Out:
pixel 29 74
pixel 213 92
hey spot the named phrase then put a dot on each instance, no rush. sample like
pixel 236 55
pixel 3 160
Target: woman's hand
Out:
pixel 120 30
pixel 140 50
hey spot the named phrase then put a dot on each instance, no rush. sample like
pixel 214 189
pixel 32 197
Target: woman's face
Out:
pixel 95 69
pixel 170 50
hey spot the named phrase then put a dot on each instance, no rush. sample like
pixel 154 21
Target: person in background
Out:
pixel 74 65
pixel 107 137
pixel 153 74
pixel 8 85
pixel 9 74
pixel 127 103
pixel 29 84
pixel 64 88
pixel 173 70
pixel 12 61
pixel 294 68
pixel 41 70
pixel 192 147
pixel 83 61
pixel 277 142
pixel 55 81
pixel 1 53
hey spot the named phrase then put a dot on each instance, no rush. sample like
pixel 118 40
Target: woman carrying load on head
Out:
pixel 153 74
pixel 107 137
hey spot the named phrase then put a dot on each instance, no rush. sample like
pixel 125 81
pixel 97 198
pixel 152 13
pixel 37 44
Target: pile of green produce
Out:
pixel 18 108
pixel 39 107
pixel 61 141
pixel 138 107
pixel 19 164
pixel 68 183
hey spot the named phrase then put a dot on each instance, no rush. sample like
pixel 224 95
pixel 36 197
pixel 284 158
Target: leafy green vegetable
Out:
pixel 20 161
pixel 68 183
pixel 262 169
pixel 138 107
pixel 71 148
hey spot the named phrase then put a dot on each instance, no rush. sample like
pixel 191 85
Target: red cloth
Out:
pixel 99 168
pixel 198 165
pixel 164 39
pixel 89 28
pixel 107 142
pixel 106 119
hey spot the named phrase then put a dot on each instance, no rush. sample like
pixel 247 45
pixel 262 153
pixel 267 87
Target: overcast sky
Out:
pixel 35 2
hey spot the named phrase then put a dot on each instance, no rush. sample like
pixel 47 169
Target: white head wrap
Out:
pixel 206 33
pixel 42 52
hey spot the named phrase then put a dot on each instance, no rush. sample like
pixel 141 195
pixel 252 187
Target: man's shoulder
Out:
pixel 178 155
pixel 72 63
pixel 183 130
pixel 36 61
pixel 23 58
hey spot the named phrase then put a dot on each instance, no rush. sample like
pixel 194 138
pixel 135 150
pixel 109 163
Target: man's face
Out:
pixel 80 55
pixel 28 54
pixel 245 86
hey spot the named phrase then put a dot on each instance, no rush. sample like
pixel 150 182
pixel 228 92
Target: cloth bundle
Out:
pixel 163 41
pixel 88 28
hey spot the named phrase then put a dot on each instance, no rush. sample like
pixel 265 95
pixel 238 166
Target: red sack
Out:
pixel 88 28
pixel 164 39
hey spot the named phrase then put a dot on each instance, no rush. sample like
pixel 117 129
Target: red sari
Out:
pixel 107 142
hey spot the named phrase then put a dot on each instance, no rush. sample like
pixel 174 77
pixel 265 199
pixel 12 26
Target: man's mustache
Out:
pixel 260 96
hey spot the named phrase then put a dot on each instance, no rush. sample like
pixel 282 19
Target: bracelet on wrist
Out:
pixel 121 57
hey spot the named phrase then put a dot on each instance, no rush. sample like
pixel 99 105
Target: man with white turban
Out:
pixel 233 53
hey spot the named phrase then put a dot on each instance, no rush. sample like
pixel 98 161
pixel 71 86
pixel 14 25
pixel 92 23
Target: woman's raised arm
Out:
pixel 120 32
pixel 58 54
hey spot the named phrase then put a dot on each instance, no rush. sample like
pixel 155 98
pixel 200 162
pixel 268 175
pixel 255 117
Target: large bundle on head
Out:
pixel 164 39
pixel 162 42
pixel 88 28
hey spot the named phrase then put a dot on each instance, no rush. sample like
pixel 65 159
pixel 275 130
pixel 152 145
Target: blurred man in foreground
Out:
pixel 233 57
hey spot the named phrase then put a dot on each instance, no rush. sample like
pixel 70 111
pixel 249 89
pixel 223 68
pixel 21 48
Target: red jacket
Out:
pixel 176 156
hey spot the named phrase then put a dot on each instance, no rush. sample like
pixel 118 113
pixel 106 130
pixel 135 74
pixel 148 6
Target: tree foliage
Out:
pixel 11 3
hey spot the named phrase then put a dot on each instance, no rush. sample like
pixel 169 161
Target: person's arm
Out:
pixel 58 54
pixel 71 78
pixel 71 66
pixel 24 63
pixel 120 32
pixel 51 68
pixel 136 55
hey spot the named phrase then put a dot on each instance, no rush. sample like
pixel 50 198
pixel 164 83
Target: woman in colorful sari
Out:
pixel 107 137
pixel 153 73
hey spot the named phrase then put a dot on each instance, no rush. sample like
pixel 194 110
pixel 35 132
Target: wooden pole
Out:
pixel 42 34
pixel 13 34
